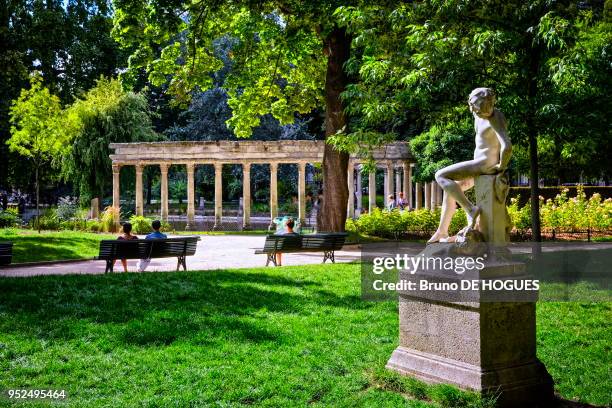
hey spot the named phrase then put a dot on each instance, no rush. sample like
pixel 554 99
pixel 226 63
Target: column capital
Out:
pixel 116 167
pixel 218 165
pixel 246 166
pixel 190 166
pixel 139 167
pixel 274 165
pixel 163 167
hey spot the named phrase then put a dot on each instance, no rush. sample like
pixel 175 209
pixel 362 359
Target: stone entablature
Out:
pixel 228 152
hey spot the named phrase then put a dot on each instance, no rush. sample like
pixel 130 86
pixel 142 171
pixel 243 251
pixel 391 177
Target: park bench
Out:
pixel 6 253
pixel 179 247
pixel 327 243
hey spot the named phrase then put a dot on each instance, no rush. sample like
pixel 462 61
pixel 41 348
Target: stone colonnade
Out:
pixel 218 189
pixel 248 153
pixel 395 159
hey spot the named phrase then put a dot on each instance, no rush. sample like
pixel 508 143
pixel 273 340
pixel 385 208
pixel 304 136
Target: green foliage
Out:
pixel 36 131
pixel 106 114
pixel 549 63
pixel 67 208
pixel 9 218
pixel 443 145
pixel 142 225
pixel 562 212
pixel 384 223
pixel 278 63
pixel 107 219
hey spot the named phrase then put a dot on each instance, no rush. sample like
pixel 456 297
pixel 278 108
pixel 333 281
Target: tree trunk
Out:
pixel 332 214
pixel 37 200
pixel 532 129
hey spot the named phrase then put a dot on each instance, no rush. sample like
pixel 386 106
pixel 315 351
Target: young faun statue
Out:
pixel 491 156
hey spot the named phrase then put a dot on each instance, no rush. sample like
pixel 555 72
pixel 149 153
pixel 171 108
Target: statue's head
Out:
pixel 482 102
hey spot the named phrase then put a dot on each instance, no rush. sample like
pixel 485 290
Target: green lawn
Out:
pixel 277 337
pixel 31 246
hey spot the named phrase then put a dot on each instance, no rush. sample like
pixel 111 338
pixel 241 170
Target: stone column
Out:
pixel 139 198
pixel 116 194
pixel 246 196
pixel 427 188
pixel 432 194
pixel 302 193
pixel 351 190
pixel 408 183
pixel 163 167
pixel 273 193
pixel 438 195
pixel 398 184
pixel 372 191
pixel 389 181
pixel 359 191
pixel 218 195
pixel 418 193
pixel 190 197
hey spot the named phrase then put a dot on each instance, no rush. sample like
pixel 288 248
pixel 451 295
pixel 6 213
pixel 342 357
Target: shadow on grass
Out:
pixel 158 309
pixel 34 248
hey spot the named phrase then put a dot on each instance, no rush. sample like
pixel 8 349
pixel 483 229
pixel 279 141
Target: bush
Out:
pixel 46 222
pixel 142 225
pixel 67 208
pixel 107 219
pixel 562 212
pixel 9 218
pixel 384 223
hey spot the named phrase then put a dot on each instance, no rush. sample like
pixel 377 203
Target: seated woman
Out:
pixel 290 224
pixel 127 235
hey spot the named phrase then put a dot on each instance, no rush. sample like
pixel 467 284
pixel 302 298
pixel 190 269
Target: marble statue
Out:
pixel 491 157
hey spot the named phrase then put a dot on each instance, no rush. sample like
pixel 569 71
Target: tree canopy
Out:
pixel 105 114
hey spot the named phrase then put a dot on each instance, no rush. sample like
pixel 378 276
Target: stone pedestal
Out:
pixel 94 212
pixel 488 347
pixel 492 202
pixel 477 340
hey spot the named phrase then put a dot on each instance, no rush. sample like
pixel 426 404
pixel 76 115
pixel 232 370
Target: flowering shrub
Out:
pixel 562 212
pixel 576 213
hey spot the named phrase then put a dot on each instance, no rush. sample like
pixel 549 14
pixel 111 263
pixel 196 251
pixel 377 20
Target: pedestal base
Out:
pixel 526 385
pixel 488 347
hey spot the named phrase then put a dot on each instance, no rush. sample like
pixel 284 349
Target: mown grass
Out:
pixel 278 337
pixel 31 246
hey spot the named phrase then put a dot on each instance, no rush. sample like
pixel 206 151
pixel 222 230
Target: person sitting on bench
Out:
pixel 128 236
pixel 290 224
pixel 156 234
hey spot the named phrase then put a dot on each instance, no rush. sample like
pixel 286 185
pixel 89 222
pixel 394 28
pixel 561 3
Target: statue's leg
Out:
pixel 449 178
pixel 449 206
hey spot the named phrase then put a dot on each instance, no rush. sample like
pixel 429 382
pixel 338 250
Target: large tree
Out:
pixel 36 131
pixel 105 114
pixel 548 62
pixel 289 58
pixel 68 41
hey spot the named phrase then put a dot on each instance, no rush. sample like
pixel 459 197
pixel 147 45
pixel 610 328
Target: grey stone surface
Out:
pixel 483 346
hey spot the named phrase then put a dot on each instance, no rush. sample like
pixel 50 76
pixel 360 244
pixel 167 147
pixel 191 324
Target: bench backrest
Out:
pixel 6 252
pixel 275 243
pixel 331 241
pixel 148 248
